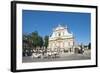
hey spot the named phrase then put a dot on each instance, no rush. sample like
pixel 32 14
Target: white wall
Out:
pixel 5 37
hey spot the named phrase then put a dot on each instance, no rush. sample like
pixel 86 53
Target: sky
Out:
pixel 44 22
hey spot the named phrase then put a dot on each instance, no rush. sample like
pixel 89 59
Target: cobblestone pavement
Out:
pixel 63 57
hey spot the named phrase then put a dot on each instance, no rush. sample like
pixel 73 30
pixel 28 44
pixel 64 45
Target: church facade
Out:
pixel 61 39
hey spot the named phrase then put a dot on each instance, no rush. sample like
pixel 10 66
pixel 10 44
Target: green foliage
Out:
pixel 33 40
pixel 40 41
pixel 89 46
pixel 27 44
pixel 46 41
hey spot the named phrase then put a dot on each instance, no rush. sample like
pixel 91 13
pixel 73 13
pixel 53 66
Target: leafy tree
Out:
pixel 33 41
pixel 27 45
pixel 46 41
pixel 34 38
pixel 89 46
pixel 40 41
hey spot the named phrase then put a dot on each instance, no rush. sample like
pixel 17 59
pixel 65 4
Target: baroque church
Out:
pixel 61 39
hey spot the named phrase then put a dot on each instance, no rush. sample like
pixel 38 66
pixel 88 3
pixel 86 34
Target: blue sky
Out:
pixel 45 21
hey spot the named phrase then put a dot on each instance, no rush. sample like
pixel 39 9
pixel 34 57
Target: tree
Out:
pixel 34 38
pixel 40 41
pixel 33 41
pixel 46 41
pixel 89 46
pixel 27 44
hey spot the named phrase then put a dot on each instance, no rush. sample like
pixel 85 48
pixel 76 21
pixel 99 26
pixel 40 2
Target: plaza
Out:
pixel 63 57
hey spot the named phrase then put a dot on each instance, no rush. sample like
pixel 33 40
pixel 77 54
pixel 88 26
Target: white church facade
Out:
pixel 61 39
